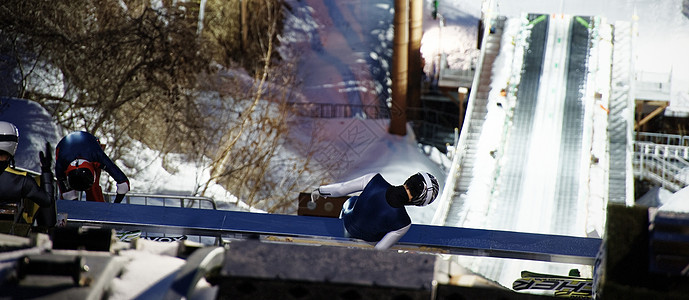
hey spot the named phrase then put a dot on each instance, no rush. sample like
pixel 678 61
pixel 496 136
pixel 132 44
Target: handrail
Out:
pixel 162 200
pixel 662 138
pixel 333 110
pixel 666 164
pixel 659 171
pixel 427 127
pixel 110 196
pixel 674 169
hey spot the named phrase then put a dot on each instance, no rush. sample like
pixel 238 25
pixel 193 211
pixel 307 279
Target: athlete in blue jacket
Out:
pixel 79 158
pixel 378 213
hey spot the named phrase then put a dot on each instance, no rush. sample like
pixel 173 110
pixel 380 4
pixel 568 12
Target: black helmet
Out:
pixel 423 188
pixel 80 175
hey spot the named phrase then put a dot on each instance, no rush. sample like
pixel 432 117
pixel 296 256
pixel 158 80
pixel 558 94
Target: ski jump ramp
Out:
pixel 290 228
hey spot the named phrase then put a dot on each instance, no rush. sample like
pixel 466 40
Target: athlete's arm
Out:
pixel 391 238
pixel 109 166
pixel 31 190
pixel 345 188
pixel 122 188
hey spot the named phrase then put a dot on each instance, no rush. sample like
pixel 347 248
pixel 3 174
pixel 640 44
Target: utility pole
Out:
pixel 415 67
pixel 400 68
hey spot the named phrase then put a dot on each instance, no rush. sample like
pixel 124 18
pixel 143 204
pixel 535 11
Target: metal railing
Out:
pixel 432 127
pixel 663 159
pixel 169 201
pixel 163 200
pixel 658 171
pixel 662 139
pixel 456 77
pixel 152 199
pixel 330 110
pixel 664 167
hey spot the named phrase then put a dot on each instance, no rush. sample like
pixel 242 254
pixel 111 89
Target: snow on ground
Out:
pixel 342 49
pixel 153 264
pixel 506 69
pixel 453 33
pixel 676 202
pixel 595 137
pixel 173 176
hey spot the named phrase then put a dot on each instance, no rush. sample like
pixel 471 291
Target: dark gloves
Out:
pixel 47 181
pixel 46 160
pixel 47 216
pixel 119 198
pixel 122 188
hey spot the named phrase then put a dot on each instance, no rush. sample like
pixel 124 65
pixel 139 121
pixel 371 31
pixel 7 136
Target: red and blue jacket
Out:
pixel 84 145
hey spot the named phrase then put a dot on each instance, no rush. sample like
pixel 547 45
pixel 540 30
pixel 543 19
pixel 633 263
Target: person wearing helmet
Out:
pixel 79 159
pixel 378 214
pixel 16 185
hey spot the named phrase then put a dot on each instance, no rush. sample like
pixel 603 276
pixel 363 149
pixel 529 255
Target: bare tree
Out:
pixel 239 31
pixel 251 160
pixel 127 71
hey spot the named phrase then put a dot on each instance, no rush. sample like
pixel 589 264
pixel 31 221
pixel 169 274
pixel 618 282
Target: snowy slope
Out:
pixel 662 29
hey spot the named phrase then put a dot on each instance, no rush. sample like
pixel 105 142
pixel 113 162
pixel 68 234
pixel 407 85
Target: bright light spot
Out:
pixel 430 44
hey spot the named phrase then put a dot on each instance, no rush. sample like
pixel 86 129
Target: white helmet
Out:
pixel 423 188
pixel 9 135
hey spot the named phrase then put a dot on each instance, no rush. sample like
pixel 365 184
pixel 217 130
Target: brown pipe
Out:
pixel 415 67
pixel 398 117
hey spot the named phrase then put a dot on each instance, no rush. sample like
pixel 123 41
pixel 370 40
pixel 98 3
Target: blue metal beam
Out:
pixel 439 239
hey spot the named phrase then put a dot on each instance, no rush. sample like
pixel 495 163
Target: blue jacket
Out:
pixel 369 216
pixel 84 145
